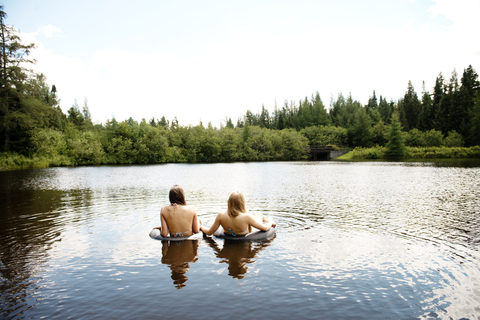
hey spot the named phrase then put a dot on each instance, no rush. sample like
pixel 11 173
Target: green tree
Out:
pixel 415 138
pixel 450 106
pixel 87 116
pixel 379 133
pixel 343 111
pixel 439 121
pixel 474 134
pixel 264 120
pixel 411 107
pixel 426 116
pixel 326 135
pixel 361 131
pixel 229 123
pixel 469 91
pixel 75 116
pixel 434 138
pixel 395 147
pixel 320 115
pixel 13 76
pixel 372 103
pixel 454 139
pixel 385 110
pixel 230 142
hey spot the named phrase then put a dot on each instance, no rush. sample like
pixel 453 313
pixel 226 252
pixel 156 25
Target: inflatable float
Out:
pixel 254 235
pixel 155 234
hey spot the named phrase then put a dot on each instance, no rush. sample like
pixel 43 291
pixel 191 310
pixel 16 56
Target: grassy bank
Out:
pixel 414 153
pixel 12 161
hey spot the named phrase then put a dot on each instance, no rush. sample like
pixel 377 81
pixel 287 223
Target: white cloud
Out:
pixel 253 68
pixel 49 31
pixel 459 43
pixel 69 75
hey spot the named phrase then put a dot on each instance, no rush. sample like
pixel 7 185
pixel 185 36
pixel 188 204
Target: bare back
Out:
pixel 179 220
pixel 239 225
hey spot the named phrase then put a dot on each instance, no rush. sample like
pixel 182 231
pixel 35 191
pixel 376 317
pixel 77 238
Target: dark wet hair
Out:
pixel 177 195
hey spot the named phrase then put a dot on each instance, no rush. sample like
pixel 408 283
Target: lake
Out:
pixel 361 240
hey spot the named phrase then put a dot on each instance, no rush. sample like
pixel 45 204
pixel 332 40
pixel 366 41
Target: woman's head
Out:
pixel 236 204
pixel 177 195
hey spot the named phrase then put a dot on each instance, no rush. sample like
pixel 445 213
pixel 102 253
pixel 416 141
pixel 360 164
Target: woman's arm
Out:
pixel 213 227
pixel 261 226
pixel 265 219
pixel 164 231
pixel 196 223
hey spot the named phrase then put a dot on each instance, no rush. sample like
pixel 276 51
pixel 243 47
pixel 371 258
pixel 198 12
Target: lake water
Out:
pixel 364 240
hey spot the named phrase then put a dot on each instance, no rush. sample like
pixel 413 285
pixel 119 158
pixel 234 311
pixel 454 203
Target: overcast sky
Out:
pixel 207 60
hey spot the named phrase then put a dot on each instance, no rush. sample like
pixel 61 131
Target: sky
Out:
pixel 212 59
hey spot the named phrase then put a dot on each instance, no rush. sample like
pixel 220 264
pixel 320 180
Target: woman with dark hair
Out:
pixel 237 221
pixel 178 219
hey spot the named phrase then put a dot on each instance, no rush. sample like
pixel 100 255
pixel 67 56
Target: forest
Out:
pixel 35 132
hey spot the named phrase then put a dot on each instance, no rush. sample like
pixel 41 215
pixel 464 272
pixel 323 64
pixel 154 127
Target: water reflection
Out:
pixel 29 227
pixel 398 238
pixel 237 254
pixel 177 255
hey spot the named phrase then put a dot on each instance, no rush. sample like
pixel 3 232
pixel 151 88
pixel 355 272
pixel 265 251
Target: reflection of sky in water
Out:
pixel 400 239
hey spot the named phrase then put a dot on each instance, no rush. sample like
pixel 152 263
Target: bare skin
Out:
pixel 241 224
pixel 181 221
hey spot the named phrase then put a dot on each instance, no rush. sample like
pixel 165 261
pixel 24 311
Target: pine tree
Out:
pixel 411 106
pixel 468 92
pixel 320 115
pixel 264 118
pixel 439 120
pixel 395 147
pixel 372 103
pixel 13 55
pixel 426 115
pixel 362 129
pixel 385 110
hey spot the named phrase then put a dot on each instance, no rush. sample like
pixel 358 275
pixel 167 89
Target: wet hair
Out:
pixel 177 195
pixel 236 204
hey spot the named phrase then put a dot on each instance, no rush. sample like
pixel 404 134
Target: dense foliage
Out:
pixel 452 109
pixel 34 129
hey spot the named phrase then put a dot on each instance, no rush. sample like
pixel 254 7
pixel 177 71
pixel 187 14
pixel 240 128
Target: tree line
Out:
pixel 32 123
pixel 451 110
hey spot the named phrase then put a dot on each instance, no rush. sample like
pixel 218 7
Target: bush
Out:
pixel 433 138
pixel 454 139
pixel 48 142
pixel 415 138
pixel 326 135
pixel 86 149
pixel 377 152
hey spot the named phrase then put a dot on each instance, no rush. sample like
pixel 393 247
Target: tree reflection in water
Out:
pixel 238 254
pixel 177 255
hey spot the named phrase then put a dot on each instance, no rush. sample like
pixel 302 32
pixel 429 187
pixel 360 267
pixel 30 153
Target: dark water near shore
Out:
pixel 366 240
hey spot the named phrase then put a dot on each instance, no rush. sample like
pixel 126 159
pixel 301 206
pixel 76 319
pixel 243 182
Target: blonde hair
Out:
pixel 236 204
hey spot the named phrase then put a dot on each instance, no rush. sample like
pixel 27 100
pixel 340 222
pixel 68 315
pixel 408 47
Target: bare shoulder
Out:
pixel 222 216
pixel 190 208
pixel 165 209
pixel 248 215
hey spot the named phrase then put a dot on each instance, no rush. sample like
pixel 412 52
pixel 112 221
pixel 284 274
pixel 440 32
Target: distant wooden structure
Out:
pixel 325 152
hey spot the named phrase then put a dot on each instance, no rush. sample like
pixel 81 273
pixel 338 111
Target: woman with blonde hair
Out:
pixel 178 219
pixel 237 221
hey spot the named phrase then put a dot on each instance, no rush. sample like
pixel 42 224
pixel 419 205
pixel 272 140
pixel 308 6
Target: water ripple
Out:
pixel 401 239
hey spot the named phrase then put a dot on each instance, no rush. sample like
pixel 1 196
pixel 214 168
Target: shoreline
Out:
pixel 413 153
pixel 10 161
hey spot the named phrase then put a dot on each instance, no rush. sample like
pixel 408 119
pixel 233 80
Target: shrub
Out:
pixel 454 139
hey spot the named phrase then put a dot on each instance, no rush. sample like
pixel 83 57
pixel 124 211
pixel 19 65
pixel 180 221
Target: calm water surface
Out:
pixel 369 240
